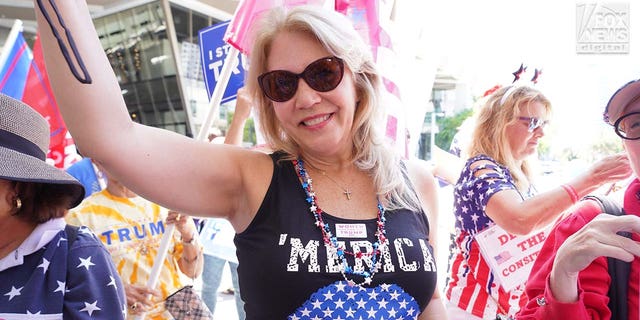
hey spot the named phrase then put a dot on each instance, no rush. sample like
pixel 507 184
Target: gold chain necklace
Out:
pixel 345 191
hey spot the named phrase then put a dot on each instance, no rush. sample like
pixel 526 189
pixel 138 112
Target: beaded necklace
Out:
pixel 332 241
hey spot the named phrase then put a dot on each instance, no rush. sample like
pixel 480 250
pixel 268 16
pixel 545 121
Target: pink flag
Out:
pixel 248 11
pixel 365 17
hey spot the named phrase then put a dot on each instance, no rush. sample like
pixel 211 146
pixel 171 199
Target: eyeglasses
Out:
pixel 321 75
pixel 534 123
pixel 628 126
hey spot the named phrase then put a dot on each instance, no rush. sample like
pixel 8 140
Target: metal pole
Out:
pixel 11 39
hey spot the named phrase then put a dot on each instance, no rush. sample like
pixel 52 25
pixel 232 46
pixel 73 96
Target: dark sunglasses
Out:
pixel 628 126
pixel 321 75
pixel 534 123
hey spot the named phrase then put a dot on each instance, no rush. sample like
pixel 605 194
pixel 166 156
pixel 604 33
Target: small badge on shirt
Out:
pixel 351 230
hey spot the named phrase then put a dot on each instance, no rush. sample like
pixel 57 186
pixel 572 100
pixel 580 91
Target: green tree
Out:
pixel 249 132
pixel 448 127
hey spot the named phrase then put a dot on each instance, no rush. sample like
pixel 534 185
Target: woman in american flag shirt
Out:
pixel 48 270
pixel 495 188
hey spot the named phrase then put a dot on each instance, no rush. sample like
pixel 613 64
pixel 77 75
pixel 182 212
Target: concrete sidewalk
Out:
pixel 226 303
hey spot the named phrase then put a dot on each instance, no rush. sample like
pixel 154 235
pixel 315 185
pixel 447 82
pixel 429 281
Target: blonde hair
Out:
pixel 490 136
pixel 371 153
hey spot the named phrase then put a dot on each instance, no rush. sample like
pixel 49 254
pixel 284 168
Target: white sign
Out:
pixel 510 257
pixel 213 52
pixel 217 239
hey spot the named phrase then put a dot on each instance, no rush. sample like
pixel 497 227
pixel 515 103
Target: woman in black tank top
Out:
pixel 333 224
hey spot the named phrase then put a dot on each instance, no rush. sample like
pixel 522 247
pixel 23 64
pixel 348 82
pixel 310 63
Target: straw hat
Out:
pixel 24 142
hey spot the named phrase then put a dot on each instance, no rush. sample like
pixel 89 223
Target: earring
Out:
pixel 18 203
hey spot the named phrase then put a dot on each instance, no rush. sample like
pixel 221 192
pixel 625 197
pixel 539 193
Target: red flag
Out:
pixel 247 12
pixel 38 95
pixel 28 82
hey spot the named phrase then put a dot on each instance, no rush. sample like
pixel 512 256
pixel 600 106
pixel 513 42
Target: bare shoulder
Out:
pixel 218 181
pixel 256 172
pixel 255 167
pixel 483 166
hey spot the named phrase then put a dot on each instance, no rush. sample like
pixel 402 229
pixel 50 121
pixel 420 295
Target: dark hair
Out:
pixel 42 202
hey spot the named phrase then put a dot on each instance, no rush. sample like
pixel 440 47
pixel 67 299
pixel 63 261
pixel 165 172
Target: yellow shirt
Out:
pixel 131 229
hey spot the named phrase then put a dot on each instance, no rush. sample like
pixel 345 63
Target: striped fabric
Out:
pixel 131 229
pixel 471 285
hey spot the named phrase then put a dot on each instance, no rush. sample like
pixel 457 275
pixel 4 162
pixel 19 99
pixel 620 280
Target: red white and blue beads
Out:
pixel 332 241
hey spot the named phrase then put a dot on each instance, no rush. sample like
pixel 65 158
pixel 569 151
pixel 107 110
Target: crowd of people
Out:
pixel 328 222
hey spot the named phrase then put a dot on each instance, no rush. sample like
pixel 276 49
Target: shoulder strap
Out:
pixel 607 204
pixel 72 234
pixel 618 269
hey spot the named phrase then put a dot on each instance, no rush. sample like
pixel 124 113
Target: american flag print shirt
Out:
pixel 55 282
pixel 470 284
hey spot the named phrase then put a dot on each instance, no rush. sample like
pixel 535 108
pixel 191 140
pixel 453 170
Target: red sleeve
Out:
pixel 593 281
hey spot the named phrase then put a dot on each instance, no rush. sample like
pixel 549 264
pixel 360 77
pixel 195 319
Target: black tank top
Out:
pixel 284 272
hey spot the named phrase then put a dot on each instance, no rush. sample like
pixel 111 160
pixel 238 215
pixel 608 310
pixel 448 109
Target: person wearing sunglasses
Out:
pixel 495 193
pixel 573 278
pixel 332 224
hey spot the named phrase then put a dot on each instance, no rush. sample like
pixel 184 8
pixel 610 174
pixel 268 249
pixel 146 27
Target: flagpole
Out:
pixel 11 39
pixel 158 262
pixel 214 104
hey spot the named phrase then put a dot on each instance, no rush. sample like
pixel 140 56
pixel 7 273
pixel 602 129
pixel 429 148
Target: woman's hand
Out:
pixel 191 261
pixel 611 169
pixel 596 239
pixel 140 299
pixel 184 224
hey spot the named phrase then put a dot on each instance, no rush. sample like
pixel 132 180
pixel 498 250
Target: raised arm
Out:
pixel 446 166
pixel 240 116
pixel 508 210
pixel 170 169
